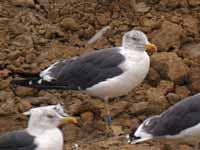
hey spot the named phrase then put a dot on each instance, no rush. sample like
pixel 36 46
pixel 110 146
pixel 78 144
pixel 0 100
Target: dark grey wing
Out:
pixel 182 115
pixel 87 70
pixel 17 140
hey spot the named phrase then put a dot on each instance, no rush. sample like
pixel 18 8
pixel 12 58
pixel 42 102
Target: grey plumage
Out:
pixel 80 72
pixel 17 140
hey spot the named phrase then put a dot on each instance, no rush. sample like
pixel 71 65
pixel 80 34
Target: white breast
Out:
pixel 50 140
pixel 135 67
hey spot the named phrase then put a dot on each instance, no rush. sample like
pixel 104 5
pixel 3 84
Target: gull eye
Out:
pixel 135 39
pixel 50 116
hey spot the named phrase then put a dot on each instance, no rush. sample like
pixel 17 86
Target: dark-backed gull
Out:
pixel 42 132
pixel 105 73
pixel 180 122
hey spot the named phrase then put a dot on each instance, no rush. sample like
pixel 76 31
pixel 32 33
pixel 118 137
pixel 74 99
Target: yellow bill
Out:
pixel 151 47
pixel 69 120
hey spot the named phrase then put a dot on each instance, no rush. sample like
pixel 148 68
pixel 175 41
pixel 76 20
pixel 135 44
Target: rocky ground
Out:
pixel 35 33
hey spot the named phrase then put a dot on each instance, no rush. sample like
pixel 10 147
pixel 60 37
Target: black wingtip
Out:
pixel 24 74
pixel 20 82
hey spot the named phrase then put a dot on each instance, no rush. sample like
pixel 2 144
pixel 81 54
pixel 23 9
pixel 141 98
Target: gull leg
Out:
pixel 108 117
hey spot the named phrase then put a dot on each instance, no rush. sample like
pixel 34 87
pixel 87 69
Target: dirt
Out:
pixel 35 33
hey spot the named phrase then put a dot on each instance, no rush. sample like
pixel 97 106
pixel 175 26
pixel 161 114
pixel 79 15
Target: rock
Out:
pixel 182 91
pixel 118 107
pixel 87 116
pixel 7 103
pixel 166 86
pixel 138 108
pixel 173 98
pixel 104 19
pixel 24 106
pixel 22 3
pixel 70 23
pixel 172 4
pixel 153 76
pixel 171 67
pixel 190 25
pixel 194 3
pixel 170 36
pixel 157 102
pixel 194 78
pixel 4 73
pixel 53 32
pixel 117 130
pixel 152 1
pixel 191 49
pixel 24 91
pixel 142 7
pixel 24 41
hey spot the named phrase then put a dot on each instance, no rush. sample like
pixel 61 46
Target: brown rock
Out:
pixel 182 91
pixel 194 2
pixel 173 98
pixel 166 86
pixel 169 36
pixel 142 7
pixel 104 19
pixel 194 78
pixel 118 107
pixel 191 49
pixel 138 108
pixel 24 91
pixel 87 116
pixel 190 25
pixel 153 76
pixel 172 4
pixel 70 23
pixel 24 105
pixel 170 66
pixel 26 3
pixel 156 100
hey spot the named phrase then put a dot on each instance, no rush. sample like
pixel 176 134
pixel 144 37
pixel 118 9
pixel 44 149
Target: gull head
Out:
pixel 137 40
pixel 48 117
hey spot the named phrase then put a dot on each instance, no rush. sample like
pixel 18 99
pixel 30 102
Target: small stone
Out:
pixel 103 19
pixel 138 108
pixel 157 102
pixel 194 78
pixel 70 23
pixel 87 116
pixel 24 106
pixel 142 7
pixel 22 3
pixel 182 91
pixel 166 86
pixel 173 98
pixel 118 107
pixel 117 130
pixel 153 76
pixel 24 91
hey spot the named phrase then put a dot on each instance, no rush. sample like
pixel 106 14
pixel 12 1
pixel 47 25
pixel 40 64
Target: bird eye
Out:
pixel 135 39
pixel 50 116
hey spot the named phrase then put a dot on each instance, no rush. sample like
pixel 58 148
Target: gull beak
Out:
pixel 69 119
pixel 151 47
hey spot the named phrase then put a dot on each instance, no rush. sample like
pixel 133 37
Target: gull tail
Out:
pixel 24 74
pixel 39 84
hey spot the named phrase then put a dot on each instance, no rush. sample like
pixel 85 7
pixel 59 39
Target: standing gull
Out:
pixel 180 122
pixel 105 73
pixel 42 132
